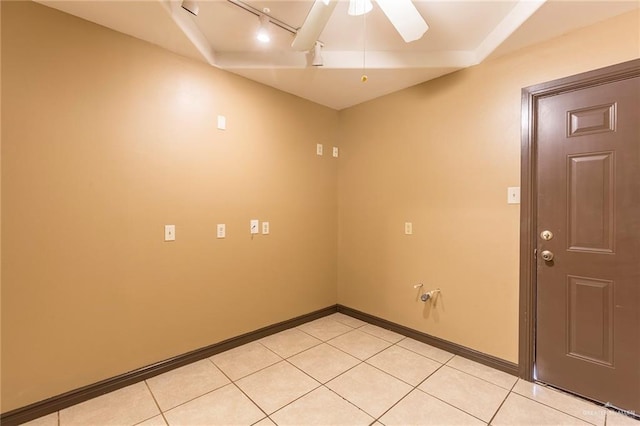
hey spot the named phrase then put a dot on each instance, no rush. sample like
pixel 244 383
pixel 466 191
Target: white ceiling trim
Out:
pixel 522 11
pixel 347 60
pixel 190 30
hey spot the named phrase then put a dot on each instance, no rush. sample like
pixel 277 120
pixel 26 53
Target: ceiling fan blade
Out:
pixel 315 22
pixel 405 17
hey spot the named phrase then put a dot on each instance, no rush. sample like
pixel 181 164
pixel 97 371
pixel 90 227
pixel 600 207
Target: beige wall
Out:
pixel 105 140
pixel 441 155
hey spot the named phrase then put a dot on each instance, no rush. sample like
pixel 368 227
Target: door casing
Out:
pixel 528 207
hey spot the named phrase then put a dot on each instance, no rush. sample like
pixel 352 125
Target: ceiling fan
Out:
pixel 402 14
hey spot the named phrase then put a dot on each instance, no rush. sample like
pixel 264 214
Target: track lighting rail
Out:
pixel 259 13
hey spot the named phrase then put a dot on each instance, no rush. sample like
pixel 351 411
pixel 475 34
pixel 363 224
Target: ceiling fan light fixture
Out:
pixel 263 31
pixel 191 6
pixel 359 7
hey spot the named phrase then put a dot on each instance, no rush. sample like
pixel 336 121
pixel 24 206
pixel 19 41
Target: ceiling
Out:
pixel 461 34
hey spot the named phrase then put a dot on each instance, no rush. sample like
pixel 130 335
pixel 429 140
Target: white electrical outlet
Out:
pixel 513 195
pixel 253 224
pixel 319 149
pixel 169 232
pixel 221 230
pixel 335 151
pixel 222 122
pixel 408 228
pixel 265 228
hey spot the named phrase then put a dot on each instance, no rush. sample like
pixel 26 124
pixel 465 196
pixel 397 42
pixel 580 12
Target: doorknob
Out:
pixel 547 255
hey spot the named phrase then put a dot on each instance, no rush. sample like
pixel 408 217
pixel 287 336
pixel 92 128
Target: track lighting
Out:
pixel 191 6
pixel 359 7
pixel 263 32
pixel 316 59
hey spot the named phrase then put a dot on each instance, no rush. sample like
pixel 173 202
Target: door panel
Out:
pixel 588 196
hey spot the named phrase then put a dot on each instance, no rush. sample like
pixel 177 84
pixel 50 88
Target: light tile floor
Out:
pixel 335 371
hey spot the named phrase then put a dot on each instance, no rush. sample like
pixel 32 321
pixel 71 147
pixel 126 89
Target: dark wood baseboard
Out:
pixel 59 402
pixel 454 348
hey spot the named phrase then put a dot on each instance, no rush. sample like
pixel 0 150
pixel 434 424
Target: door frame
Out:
pixel 528 183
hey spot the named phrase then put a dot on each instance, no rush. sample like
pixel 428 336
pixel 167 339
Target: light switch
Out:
pixel 335 151
pixel 513 195
pixel 222 122
pixel 254 226
pixel 319 149
pixel 265 228
pixel 408 228
pixel 221 230
pixel 169 232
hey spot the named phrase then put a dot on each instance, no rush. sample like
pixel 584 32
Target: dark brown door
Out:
pixel 588 295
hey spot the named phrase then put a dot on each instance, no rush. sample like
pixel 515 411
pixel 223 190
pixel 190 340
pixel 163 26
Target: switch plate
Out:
pixel 513 195
pixel 335 151
pixel 221 230
pixel 254 223
pixel 265 228
pixel 222 122
pixel 408 228
pixel 319 149
pixel 169 232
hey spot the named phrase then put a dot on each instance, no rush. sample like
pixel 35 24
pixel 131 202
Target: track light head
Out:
pixel 263 32
pixel 191 6
pixel 317 60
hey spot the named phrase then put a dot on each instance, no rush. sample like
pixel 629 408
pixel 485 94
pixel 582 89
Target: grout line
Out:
pixel 157 405
pixel 426 356
pixel 483 379
pixel 243 392
pixel 499 408
pixel 564 412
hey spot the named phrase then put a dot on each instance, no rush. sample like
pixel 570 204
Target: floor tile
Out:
pixel 470 394
pixel 359 344
pixel 186 383
pixel 325 328
pixel 418 408
pixel 382 333
pixel 429 351
pixel 127 406
pixel 245 360
pixel 49 420
pixel 566 403
pixel 321 407
pixel 520 411
pixel 617 419
pixel 347 320
pixel 276 386
pixel 405 365
pixel 497 377
pixel 324 362
pixel 289 342
pixel 154 421
pixel 369 389
pixel 224 406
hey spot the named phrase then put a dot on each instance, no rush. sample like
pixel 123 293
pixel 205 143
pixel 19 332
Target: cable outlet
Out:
pixel 319 149
pixel 335 151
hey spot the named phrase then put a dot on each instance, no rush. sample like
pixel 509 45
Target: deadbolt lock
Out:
pixel 546 235
pixel 547 255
